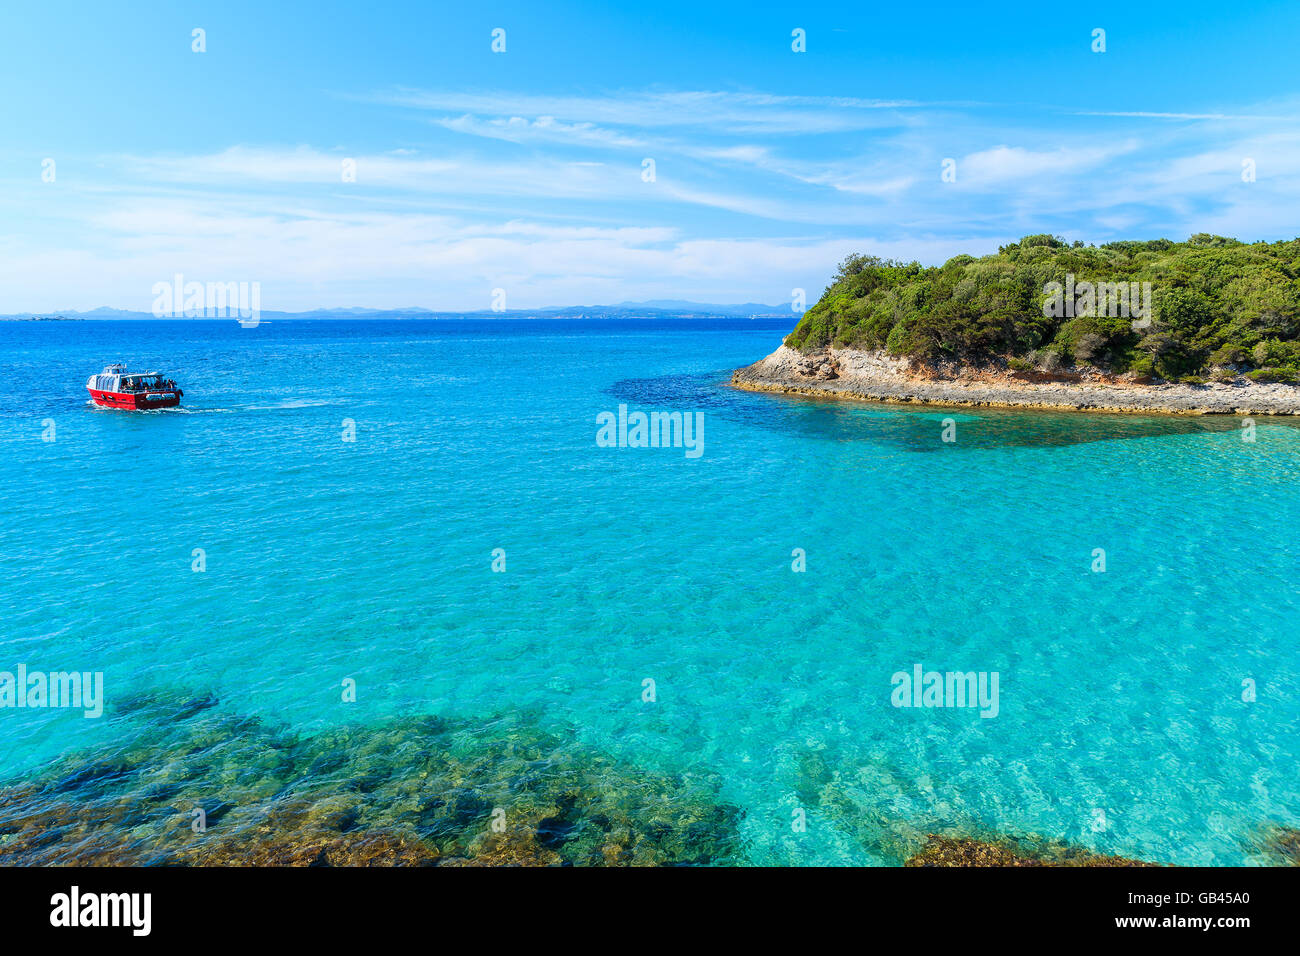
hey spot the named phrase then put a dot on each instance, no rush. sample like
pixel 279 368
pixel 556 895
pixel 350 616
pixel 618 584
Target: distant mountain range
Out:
pixel 681 305
pixel 625 310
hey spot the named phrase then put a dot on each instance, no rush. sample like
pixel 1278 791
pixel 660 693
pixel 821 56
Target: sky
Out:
pixel 616 152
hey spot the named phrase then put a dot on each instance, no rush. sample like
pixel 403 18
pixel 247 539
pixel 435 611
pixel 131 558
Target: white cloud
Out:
pixel 312 258
pixel 720 111
pixel 247 166
pixel 1142 114
pixel 543 129
pixel 1003 163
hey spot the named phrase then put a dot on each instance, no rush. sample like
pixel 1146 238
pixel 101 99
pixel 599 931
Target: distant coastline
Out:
pixel 41 318
pixel 658 308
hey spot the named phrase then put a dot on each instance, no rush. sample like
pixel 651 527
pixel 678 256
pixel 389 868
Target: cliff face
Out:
pixel 878 376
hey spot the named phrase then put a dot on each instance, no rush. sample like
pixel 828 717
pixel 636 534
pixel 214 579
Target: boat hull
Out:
pixel 137 401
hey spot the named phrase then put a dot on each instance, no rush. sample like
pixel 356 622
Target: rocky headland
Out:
pixel 874 375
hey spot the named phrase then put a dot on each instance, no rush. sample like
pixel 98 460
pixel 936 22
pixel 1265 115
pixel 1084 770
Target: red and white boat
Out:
pixel 115 387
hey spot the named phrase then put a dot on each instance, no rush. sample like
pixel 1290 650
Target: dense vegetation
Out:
pixel 1219 307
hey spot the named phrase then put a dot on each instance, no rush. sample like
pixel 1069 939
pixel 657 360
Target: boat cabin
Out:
pixel 114 378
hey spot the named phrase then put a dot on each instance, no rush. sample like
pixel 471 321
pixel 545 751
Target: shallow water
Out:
pixel 1121 725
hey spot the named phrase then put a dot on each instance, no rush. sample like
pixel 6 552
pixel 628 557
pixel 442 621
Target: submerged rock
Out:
pixel 1280 844
pixel 898 817
pixel 210 789
pixel 518 848
pixel 1008 851
pixel 167 704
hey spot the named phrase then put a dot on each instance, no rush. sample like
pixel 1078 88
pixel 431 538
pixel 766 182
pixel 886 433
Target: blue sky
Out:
pixel 523 170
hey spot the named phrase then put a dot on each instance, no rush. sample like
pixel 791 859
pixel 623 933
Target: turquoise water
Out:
pixel 372 560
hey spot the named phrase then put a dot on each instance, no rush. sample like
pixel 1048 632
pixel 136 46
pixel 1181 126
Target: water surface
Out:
pixel 1121 692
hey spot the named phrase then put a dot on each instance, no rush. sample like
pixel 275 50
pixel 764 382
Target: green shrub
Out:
pixel 1228 355
pixel 1266 375
pixel 1143 365
pixel 1272 353
pixel 1047 360
pixel 1184 310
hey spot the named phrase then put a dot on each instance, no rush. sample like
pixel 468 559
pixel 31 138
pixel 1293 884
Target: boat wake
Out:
pixel 290 404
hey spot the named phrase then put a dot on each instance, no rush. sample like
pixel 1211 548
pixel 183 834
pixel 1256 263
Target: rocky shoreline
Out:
pixel 877 376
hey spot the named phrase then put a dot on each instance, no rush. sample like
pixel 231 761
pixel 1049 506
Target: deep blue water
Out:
pixel 1121 693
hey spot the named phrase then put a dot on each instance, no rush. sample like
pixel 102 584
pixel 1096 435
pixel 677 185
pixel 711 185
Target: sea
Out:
pixel 356 523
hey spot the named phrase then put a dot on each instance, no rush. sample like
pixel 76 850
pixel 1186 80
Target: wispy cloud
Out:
pixel 542 129
pixel 992 167
pixel 720 111
pixel 305 257
pixel 746 196
pixel 1144 114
